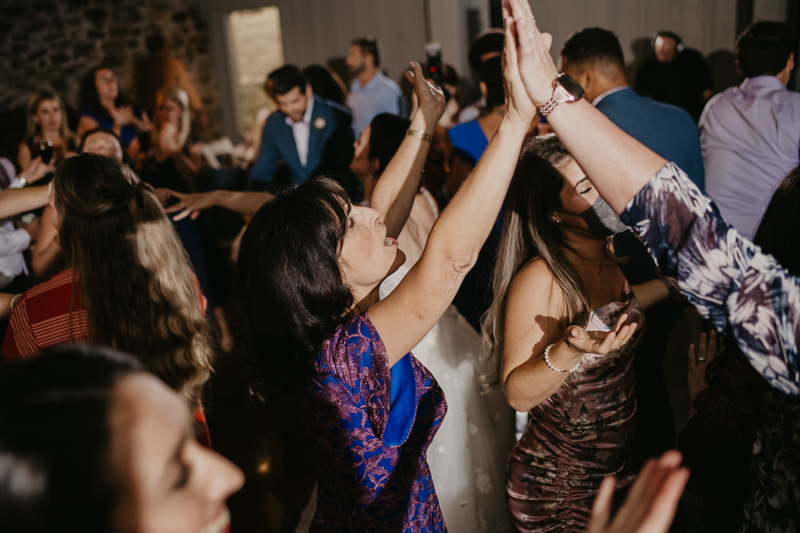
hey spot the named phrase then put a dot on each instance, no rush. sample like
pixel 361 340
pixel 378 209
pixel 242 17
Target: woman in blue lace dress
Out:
pixel 744 292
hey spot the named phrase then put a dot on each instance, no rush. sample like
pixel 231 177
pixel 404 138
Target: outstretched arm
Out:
pixel 411 310
pixel 394 193
pixel 16 201
pixel 245 203
pixel 618 165
pixel 727 278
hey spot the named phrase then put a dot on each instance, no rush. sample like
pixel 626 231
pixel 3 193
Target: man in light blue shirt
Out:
pixel 371 93
pixel 750 134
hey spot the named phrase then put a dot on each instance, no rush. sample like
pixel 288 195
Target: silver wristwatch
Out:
pixel 565 89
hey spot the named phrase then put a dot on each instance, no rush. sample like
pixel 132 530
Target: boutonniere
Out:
pixel 320 123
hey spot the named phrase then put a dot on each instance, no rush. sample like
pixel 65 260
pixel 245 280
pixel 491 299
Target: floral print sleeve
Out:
pixel 726 277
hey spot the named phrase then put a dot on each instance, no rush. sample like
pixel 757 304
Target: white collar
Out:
pixel 608 92
pixel 306 115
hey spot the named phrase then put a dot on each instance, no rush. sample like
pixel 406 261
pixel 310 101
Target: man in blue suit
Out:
pixel 310 135
pixel 593 57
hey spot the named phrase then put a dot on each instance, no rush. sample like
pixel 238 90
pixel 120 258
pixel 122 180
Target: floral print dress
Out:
pixel 579 435
pixel 746 293
pixel 372 427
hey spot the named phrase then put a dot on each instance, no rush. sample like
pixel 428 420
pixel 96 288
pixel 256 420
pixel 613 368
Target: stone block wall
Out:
pixel 48 44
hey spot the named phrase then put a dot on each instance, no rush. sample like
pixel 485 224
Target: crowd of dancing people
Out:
pixel 411 274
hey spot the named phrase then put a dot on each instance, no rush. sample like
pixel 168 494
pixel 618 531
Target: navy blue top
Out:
pixel 128 132
pixel 667 130
pixel 469 141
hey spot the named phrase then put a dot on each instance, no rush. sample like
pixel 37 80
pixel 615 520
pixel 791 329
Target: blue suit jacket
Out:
pixel 667 130
pixel 330 148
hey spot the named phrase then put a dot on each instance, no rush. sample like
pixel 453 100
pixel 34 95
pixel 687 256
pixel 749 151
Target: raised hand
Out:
pixel 518 104
pixel 651 502
pixel 600 342
pixel 431 99
pixel 536 66
pixel 36 169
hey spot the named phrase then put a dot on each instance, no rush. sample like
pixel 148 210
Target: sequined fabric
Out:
pixel 579 435
pixel 365 484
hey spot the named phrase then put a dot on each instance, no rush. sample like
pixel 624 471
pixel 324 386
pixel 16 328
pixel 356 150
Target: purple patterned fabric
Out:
pixel 579 435
pixel 365 483
pixel 728 279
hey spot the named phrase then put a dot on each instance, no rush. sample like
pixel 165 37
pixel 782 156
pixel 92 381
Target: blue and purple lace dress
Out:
pixel 372 427
pixel 746 293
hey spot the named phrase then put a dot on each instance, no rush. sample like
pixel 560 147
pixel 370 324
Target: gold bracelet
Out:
pixel 419 135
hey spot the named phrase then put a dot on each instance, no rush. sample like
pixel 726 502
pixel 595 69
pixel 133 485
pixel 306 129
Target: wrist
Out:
pixel 423 123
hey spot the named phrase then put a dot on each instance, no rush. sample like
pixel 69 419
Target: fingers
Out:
pixel 183 214
pixel 174 208
pixel 547 39
pixel 692 360
pixel 702 349
pixel 601 510
pixel 711 349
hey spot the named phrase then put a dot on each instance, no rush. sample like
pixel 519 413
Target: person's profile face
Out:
pixel 293 104
pixel 168 481
pixel 355 61
pixel 665 48
pixel 102 143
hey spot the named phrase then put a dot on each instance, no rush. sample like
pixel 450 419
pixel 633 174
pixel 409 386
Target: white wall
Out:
pixel 315 31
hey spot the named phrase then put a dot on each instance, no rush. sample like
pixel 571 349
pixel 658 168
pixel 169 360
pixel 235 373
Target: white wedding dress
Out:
pixel 469 455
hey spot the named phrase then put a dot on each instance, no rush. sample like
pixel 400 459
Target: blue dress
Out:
pixel 128 132
pixel 469 141
pixel 372 427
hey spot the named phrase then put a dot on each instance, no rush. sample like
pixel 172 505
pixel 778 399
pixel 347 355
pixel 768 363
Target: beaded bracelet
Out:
pixel 552 367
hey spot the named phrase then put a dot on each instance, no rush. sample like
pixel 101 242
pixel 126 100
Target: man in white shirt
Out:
pixel 371 93
pixel 310 135
pixel 750 134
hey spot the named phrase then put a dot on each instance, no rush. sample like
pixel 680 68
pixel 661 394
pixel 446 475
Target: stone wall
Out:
pixel 50 43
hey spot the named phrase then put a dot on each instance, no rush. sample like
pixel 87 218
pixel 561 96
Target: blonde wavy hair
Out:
pixel 138 289
pixel 32 129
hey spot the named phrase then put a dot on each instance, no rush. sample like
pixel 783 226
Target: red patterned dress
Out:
pixel 52 313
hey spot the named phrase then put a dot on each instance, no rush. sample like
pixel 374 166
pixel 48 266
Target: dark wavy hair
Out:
pixel 135 278
pixel 289 290
pixel 54 438
pixel 89 99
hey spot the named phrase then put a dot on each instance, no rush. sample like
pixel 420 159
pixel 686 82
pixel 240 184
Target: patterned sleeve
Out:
pixel 726 277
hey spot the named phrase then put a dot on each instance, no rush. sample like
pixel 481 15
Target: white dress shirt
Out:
pixel 302 132
pixel 12 241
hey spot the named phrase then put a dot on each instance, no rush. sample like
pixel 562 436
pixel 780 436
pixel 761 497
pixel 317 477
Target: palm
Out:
pixel 601 342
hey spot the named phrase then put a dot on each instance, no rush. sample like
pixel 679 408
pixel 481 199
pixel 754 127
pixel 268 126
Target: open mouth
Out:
pixel 388 241
pixel 221 524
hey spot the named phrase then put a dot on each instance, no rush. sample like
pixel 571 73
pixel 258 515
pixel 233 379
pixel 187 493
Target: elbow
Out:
pixel 516 398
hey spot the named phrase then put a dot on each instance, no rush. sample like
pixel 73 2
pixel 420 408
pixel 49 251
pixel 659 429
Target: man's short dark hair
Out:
pixel 594 46
pixel 154 42
pixel 284 79
pixel 486 42
pixel 764 48
pixel 369 46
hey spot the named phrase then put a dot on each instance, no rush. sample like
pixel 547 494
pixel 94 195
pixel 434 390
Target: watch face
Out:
pixel 573 87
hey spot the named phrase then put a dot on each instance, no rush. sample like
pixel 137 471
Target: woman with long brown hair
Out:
pixel 554 276
pixel 128 284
